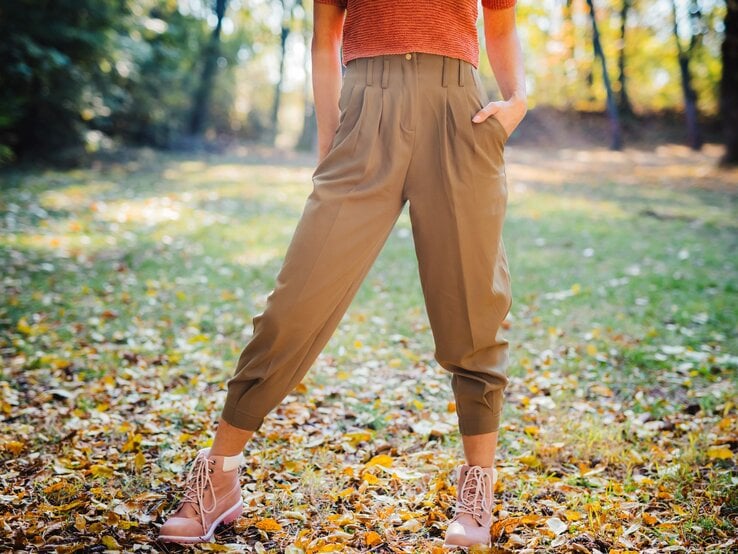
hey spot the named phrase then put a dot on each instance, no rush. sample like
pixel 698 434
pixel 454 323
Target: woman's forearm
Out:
pixel 505 53
pixel 325 54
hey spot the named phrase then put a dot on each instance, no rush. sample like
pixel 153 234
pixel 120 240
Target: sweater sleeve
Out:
pixel 496 4
pixel 339 3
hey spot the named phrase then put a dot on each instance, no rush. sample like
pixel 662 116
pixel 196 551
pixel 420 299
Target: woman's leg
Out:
pixel 229 440
pixel 479 450
pixel 457 189
pixel 356 200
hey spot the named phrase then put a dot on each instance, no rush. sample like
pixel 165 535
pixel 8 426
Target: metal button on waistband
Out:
pixel 408 56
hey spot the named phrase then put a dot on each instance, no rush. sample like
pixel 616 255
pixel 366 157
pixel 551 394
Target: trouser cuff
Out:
pixel 241 420
pixel 480 418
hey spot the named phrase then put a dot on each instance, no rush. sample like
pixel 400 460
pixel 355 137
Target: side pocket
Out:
pixel 482 99
pixel 500 127
pixel 350 120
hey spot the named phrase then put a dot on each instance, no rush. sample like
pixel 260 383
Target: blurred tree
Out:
pixel 308 137
pixel 210 65
pixel 148 80
pixel 624 106
pixel 288 9
pixel 612 110
pixel 50 51
pixel 694 136
pixel 729 84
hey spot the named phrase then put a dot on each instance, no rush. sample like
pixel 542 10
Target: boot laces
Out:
pixel 197 482
pixel 475 495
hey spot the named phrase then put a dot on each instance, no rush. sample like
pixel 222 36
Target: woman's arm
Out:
pixel 326 69
pixel 506 59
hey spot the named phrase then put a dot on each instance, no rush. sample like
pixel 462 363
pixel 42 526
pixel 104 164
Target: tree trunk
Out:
pixel 624 105
pixel 198 118
pixel 612 110
pixel 286 24
pixel 307 141
pixel 694 137
pixel 729 85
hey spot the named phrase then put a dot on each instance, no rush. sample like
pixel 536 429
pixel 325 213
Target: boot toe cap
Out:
pixel 180 528
pixel 458 534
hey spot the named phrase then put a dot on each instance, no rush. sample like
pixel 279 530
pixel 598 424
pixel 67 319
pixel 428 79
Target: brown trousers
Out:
pixel 405 134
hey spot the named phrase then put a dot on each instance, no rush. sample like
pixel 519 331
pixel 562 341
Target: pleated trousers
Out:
pixel 405 135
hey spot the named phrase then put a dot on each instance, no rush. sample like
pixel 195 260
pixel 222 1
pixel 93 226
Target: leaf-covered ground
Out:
pixel 127 295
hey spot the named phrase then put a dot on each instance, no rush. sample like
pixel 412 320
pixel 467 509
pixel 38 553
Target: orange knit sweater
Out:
pixel 446 27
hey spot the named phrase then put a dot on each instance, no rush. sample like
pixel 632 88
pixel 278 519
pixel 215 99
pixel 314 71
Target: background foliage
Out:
pixel 78 74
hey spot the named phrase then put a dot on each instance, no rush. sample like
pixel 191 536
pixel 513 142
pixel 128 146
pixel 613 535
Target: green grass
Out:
pixel 132 286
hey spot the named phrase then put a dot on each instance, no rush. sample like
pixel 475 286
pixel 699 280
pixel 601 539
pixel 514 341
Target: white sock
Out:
pixel 231 462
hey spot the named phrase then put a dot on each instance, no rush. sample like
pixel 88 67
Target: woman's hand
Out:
pixel 508 112
pixel 506 59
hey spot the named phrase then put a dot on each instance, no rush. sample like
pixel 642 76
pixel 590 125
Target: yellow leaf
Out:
pixel 418 404
pixel 14 447
pixel 530 460
pixel 602 390
pixel 110 542
pixel 331 548
pixel 346 492
pixel 369 478
pixel 139 461
pixel 576 288
pixel 719 453
pixel 380 460
pixel 411 525
pixel 372 538
pixel 268 524
pixel 573 515
pixel 99 470
pixel 23 326
pixel 227 295
pixel 678 509
pixel 358 344
pixel 648 519
pixel 134 440
pixel 80 523
pixel 451 407
pixel 531 430
pixel 591 350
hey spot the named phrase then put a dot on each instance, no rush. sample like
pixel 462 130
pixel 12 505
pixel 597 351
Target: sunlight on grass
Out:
pixel 131 289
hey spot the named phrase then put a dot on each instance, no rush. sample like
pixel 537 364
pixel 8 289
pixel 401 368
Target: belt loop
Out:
pixel 385 73
pixel 461 72
pixel 444 72
pixel 370 72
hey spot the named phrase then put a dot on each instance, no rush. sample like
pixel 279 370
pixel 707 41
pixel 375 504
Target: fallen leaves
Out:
pixel 620 424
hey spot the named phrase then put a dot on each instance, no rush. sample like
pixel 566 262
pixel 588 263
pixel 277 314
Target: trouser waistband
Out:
pixel 379 70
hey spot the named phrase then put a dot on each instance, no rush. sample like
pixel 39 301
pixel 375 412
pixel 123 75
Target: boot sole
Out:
pixel 229 516
pixel 451 546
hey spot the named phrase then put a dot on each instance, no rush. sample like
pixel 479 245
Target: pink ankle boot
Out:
pixel 473 515
pixel 212 496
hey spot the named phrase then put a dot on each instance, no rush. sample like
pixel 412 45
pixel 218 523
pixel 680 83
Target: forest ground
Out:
pixel 128 291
